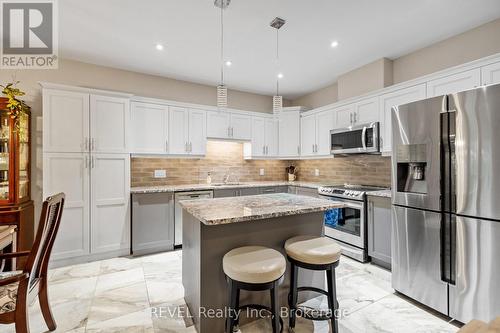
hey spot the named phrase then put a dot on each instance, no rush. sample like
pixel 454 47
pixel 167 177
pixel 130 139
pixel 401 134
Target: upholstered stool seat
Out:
pixel 318 254
pixel 253 268
pixel 313 250
pixel 254 264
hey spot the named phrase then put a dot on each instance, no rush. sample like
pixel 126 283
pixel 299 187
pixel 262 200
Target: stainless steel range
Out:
pixel 348 225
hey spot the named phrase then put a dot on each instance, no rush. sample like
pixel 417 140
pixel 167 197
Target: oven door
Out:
pixel 355 140
pixel 347 224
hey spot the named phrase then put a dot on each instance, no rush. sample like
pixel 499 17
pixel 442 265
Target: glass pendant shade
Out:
pixel 221 96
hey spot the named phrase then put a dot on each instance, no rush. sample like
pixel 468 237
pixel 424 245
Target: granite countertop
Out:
pixel 256 207
pixel 381 193
pixel 199 187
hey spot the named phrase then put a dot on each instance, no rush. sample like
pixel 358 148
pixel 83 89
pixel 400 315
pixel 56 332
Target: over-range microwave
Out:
pixel 360 139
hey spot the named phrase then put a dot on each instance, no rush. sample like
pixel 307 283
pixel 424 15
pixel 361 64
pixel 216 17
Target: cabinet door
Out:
pixel 249 191
pixel 454 83
pixel 218 125
pixel 109 120
pixel 271 137
pixel 324 124
pixel 344 116
pixel 396 98
pixel 310 192
pixel 110 224
pixel 226 193
pixel 308 135
pixel 490 74
pixel 178 129
pixel 197 132
pixel 258 136
pixel 289 134
pixel 366 111
pixel 65 121
pixel 241 127
pixel 379 229
pixel 69 173
pixel 149 128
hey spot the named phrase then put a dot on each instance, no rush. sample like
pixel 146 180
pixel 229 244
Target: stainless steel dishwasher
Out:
pixel 178 210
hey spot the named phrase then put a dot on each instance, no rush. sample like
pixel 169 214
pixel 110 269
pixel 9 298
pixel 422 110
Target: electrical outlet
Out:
pixel 316 172
pixel 160 174
pixel 262 172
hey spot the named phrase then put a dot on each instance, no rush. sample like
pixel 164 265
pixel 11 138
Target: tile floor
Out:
pixel 122 295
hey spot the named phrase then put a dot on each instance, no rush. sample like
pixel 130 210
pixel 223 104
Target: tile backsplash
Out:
pixel 227 158
pixel 222 158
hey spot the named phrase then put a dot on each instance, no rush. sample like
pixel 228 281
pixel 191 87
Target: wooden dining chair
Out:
pixel 19 288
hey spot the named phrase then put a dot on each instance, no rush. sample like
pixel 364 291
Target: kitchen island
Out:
pixel 212 227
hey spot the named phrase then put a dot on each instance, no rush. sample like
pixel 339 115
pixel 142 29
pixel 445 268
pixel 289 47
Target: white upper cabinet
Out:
pixel 197 143
pixel 387 101
pixel 110 222
pixel 315 133
pixel 149 128
pixel 454 83
pixel 218 124
pixel 324 124
pixel 65 121
pixel 264 137
pixel 289 134
pixel 344 116
pixel 187 131
pixel 308 135
pixel 366 111
pixel 109 120
pixel 241 126
pixel 178 130
pixel 491 74
pixel 226 125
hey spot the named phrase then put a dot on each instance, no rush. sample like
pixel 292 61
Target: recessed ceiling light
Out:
pixel 228 63
pixel 334 44
pixel 280 75
pixel 159 47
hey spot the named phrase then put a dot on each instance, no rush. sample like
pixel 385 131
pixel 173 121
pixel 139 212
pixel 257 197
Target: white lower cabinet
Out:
pixel 396 98
pixel 96 217
pixel 110 196
pixel 69 173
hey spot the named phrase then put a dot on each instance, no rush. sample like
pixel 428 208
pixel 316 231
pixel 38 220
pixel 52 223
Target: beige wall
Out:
pixel 372 76
pixel 468 46
pixel 318 98
pixel 474 44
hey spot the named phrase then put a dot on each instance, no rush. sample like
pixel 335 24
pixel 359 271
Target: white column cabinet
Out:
pixel 197 132
pixel 109 122
pixel 69 173
pixel 395 98
pixel 110 207
pixel 65 121
pixel 454 83
pixel 289 134
pixel 149 128
pixel 490 74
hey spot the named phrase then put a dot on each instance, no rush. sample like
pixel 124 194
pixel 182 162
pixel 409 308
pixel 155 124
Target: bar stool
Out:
pixel 253 268
pixel 319 254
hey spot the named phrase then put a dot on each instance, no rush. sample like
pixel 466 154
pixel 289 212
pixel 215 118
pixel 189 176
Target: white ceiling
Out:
pixel 123 34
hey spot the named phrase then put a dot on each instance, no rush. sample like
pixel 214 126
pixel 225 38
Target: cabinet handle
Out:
pixel 232 132
pixel 92 144
pixel 186 147
pixel 86 162
pixel 86 144
pixel 350 116
pixel 190 147
pixel 355 117
pixel 166 145
pixel 298 150
pixel 93 162
pixel 263 150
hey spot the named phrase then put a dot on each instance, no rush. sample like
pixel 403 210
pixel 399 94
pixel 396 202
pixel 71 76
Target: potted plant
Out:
pixel 17 108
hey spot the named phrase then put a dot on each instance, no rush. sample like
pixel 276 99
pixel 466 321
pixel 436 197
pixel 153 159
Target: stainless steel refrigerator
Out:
pixel 446 203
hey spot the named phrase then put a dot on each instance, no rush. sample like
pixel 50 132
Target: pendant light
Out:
pixel 221 88
pixel 277 23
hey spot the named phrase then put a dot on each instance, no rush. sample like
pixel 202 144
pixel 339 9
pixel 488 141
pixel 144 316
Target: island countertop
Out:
pixel 256 207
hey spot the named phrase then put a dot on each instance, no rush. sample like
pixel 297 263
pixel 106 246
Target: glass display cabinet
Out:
pixel 16 206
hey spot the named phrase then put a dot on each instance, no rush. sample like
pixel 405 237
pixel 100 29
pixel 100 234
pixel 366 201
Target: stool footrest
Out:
pixel 261 307
pixel 316 290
